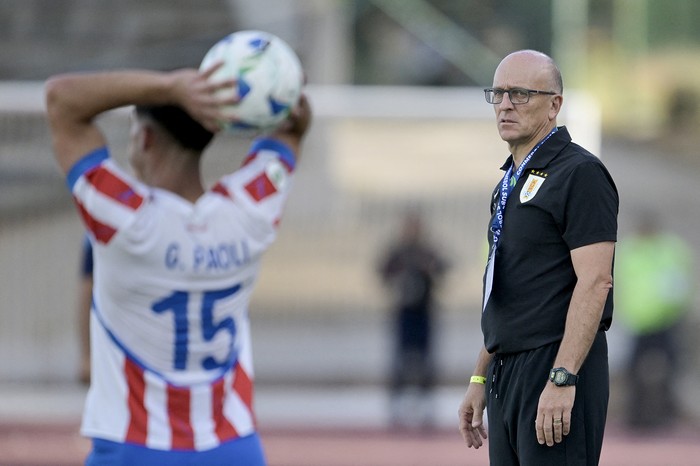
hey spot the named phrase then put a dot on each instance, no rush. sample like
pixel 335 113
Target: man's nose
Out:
pixel 506 101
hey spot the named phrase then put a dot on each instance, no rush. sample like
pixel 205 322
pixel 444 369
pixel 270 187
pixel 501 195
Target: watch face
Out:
pixel 559 377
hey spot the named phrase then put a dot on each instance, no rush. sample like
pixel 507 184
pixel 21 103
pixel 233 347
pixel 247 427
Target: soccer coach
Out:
pixel 543 370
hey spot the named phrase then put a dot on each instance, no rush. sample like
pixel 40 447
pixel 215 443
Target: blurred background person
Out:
pixel 654 292
pixel 84 304
pixel 411 269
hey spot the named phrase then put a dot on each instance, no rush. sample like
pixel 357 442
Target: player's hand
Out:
pixel 554 413
pixel 471 415
pixel 299 120
pixel 200 97
pixel 293 129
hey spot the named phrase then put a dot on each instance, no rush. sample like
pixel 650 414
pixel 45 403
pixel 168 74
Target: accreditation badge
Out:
pixel 532 185
pixel 488 284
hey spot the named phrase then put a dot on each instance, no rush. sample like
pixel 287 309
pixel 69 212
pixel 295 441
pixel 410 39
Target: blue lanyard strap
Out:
pixel 507 184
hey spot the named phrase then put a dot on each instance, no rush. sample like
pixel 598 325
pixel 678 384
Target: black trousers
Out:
pixel 515 383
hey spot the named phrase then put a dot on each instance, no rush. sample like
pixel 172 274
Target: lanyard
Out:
pixel 507 184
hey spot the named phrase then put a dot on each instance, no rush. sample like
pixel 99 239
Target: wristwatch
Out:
pixel 561 377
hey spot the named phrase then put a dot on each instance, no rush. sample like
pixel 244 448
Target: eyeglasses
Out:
pixel 517 95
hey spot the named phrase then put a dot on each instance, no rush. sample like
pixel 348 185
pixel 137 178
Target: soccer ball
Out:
pixel 269 79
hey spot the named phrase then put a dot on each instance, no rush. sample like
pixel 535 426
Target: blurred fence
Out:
pixel 371 152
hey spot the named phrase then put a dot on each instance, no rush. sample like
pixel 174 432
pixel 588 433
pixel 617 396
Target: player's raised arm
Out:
pixel 73 101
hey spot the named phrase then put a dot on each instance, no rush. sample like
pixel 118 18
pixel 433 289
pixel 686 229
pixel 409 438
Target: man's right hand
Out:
pixel 471 413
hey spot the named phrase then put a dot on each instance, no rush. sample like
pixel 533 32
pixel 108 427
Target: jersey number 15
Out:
pixel 178 302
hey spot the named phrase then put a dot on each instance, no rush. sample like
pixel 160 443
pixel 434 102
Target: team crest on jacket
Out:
pixel 532 185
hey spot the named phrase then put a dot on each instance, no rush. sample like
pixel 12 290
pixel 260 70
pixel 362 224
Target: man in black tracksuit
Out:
pixel 543 371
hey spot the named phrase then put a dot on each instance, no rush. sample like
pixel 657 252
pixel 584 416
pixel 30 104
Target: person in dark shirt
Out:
pixel 411 269
pixel 542 373
pixel 84 305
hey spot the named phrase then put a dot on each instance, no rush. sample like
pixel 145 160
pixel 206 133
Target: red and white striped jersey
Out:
pixel 171 354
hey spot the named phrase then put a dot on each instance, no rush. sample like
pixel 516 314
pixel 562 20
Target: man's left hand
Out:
pixel 554 413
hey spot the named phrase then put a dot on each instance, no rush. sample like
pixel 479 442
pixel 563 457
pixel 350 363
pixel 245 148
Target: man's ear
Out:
pixel 555 106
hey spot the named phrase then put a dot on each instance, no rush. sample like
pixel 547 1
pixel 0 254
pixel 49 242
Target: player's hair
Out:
pixel 178 124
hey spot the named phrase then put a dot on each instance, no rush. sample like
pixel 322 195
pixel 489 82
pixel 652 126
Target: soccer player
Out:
pixel 175 264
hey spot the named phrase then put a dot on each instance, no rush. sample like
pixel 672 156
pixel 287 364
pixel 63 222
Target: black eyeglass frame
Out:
pixel 528 93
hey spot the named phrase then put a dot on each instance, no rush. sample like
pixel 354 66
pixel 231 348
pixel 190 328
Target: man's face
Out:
pixel 524 123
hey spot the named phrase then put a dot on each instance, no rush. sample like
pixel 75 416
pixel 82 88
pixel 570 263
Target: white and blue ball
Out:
pixel 269 79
